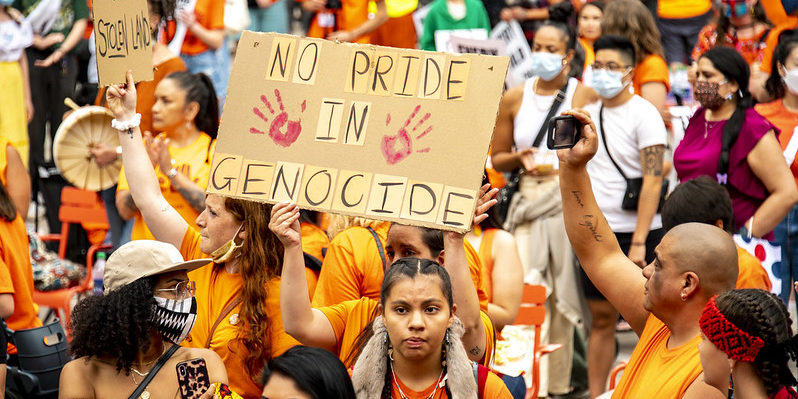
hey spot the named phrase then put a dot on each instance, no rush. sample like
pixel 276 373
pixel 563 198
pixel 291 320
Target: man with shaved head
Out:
pixel 693 262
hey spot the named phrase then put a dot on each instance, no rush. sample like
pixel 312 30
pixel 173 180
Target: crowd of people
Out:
pixel 639 225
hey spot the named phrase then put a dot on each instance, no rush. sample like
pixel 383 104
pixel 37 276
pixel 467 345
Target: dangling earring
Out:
pixel 386 341
pixel 443 349
pixel 188 124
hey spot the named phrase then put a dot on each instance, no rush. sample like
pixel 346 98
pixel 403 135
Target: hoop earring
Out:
pixel 387 342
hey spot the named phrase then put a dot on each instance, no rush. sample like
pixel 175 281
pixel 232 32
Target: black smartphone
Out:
pixel 192 376
pixel 564 131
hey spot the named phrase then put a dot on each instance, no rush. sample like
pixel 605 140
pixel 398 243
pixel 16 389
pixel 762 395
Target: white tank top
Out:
pixel 533 111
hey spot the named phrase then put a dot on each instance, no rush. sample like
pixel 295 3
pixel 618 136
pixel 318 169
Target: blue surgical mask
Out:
pixel 607 83
pixel 546 65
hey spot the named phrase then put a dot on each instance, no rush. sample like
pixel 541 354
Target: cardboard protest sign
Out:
pixel 361 130
pixel 463 45
pixel 517 48
pixel 122 39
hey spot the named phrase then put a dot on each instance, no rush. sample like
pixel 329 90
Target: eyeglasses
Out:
pixel 597 66
pixel 184 289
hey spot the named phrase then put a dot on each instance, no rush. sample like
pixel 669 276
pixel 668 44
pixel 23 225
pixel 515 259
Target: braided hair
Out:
pixel 763 314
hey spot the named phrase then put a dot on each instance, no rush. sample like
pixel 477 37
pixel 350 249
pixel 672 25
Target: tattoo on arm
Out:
pixel 130 204
pixel 578 197
pixel 195 198
pixel 588 221
pixel 475 350
pixel 652 160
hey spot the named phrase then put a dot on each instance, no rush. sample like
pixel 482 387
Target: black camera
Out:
pixel 564 131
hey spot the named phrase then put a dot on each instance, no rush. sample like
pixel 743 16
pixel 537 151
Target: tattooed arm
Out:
pixel 191 192
pixel 651 165
pixel 125 205
pixel 595 245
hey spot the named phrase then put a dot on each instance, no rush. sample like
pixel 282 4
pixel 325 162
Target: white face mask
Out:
pixel 607 83
pixel 546 65
pixel 791 80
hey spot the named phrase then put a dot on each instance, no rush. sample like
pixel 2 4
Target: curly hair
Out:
pixel 261 261
pixel 632 20
pixel 117 325
pixel 764 315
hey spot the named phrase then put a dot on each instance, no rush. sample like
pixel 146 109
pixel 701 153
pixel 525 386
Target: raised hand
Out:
pixel 149 145
pixel 284 224
pixel 161 152
pixel 121 99
pixel 484 203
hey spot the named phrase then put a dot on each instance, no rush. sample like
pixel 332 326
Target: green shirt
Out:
pixel 439 18
pixel 71 11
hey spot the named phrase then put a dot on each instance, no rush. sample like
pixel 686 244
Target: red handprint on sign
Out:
pixel 399 146
pixel 281 130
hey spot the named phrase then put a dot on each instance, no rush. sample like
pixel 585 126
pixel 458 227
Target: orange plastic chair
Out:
pixel 77 206
pixel 532 313
pixel 614 374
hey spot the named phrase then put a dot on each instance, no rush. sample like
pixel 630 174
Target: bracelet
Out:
pixel 172 173
pixel 125 126
pixel 118 150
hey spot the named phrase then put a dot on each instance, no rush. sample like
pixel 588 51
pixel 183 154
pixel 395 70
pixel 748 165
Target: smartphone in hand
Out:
pixel 192 377
pixel 564 131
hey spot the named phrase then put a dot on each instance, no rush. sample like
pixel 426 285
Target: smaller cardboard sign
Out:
pixel 517 48
pixel 123 40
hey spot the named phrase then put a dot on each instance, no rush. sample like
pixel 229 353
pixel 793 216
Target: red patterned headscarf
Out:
pixel 734 342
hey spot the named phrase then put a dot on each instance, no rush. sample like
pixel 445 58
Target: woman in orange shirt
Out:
pixel 783 113
pixel 632 20
pixel 589 29
pixel 414 349
pixel 238 318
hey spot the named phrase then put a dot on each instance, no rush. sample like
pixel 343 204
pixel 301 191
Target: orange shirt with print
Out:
pixel 209 14
pixel 786 121
pixel 145 91
pixel 215 290
pixel 352 14
pixel 680 9
pixel 349 318
pixel 652 69
pixel 353 267
pixel 750 273
pixel 494 389
pixel 16 274
pixel 193 161
pixel 654 370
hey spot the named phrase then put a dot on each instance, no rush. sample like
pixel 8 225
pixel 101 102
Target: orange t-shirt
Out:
pixel 353 268
pixel 314 243
pixel 352 14
pixel 654 371
pixel 750 273
pixel 216 289
pixel 680 9
pixel 193 161
pixel 786 121
pixel 772 41
pixel 590 55
pixel 145 91
pixel 652 69
pixel 16 274
pixel 486 257
pixel 349 318
pixel 494 389
pixel 209 14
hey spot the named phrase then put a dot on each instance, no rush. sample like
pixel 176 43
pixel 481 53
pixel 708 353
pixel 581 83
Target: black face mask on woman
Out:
pixel 707 94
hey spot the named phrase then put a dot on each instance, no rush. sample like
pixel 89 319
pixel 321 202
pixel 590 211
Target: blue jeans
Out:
pixel 215 64
pixel 787 235
pixel 272 19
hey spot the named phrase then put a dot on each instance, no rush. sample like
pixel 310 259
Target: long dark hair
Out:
pixel 315 371
pixel 116 325
pixel 788 40
pixel 8 211
pixel 763 314
pixel 199 89
pixel 734 68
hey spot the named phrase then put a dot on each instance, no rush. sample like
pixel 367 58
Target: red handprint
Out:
pixel 281 130
pixel 398 147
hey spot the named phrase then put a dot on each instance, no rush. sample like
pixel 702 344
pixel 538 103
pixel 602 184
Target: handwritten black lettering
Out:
pixel 589 222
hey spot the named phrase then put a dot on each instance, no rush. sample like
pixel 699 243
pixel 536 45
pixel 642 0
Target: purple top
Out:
pixel 699 151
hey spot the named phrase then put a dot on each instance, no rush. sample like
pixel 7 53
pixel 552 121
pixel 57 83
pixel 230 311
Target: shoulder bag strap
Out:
pixel 227 309
pixel 161 361
pixel 555 106
pixel 379 247
pixel 604 139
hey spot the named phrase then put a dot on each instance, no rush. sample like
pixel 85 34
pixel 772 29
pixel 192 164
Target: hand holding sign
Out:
pixel 121 99
pixel 284 224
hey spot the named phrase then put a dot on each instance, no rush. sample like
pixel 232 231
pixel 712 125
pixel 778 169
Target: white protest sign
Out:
pixel 517 48
pixel 418 19
pixel 443 38
pixel 462 45
pixel 180 31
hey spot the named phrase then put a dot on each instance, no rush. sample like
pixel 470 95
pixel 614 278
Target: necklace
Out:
pixel 707 126
pixel 402 394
